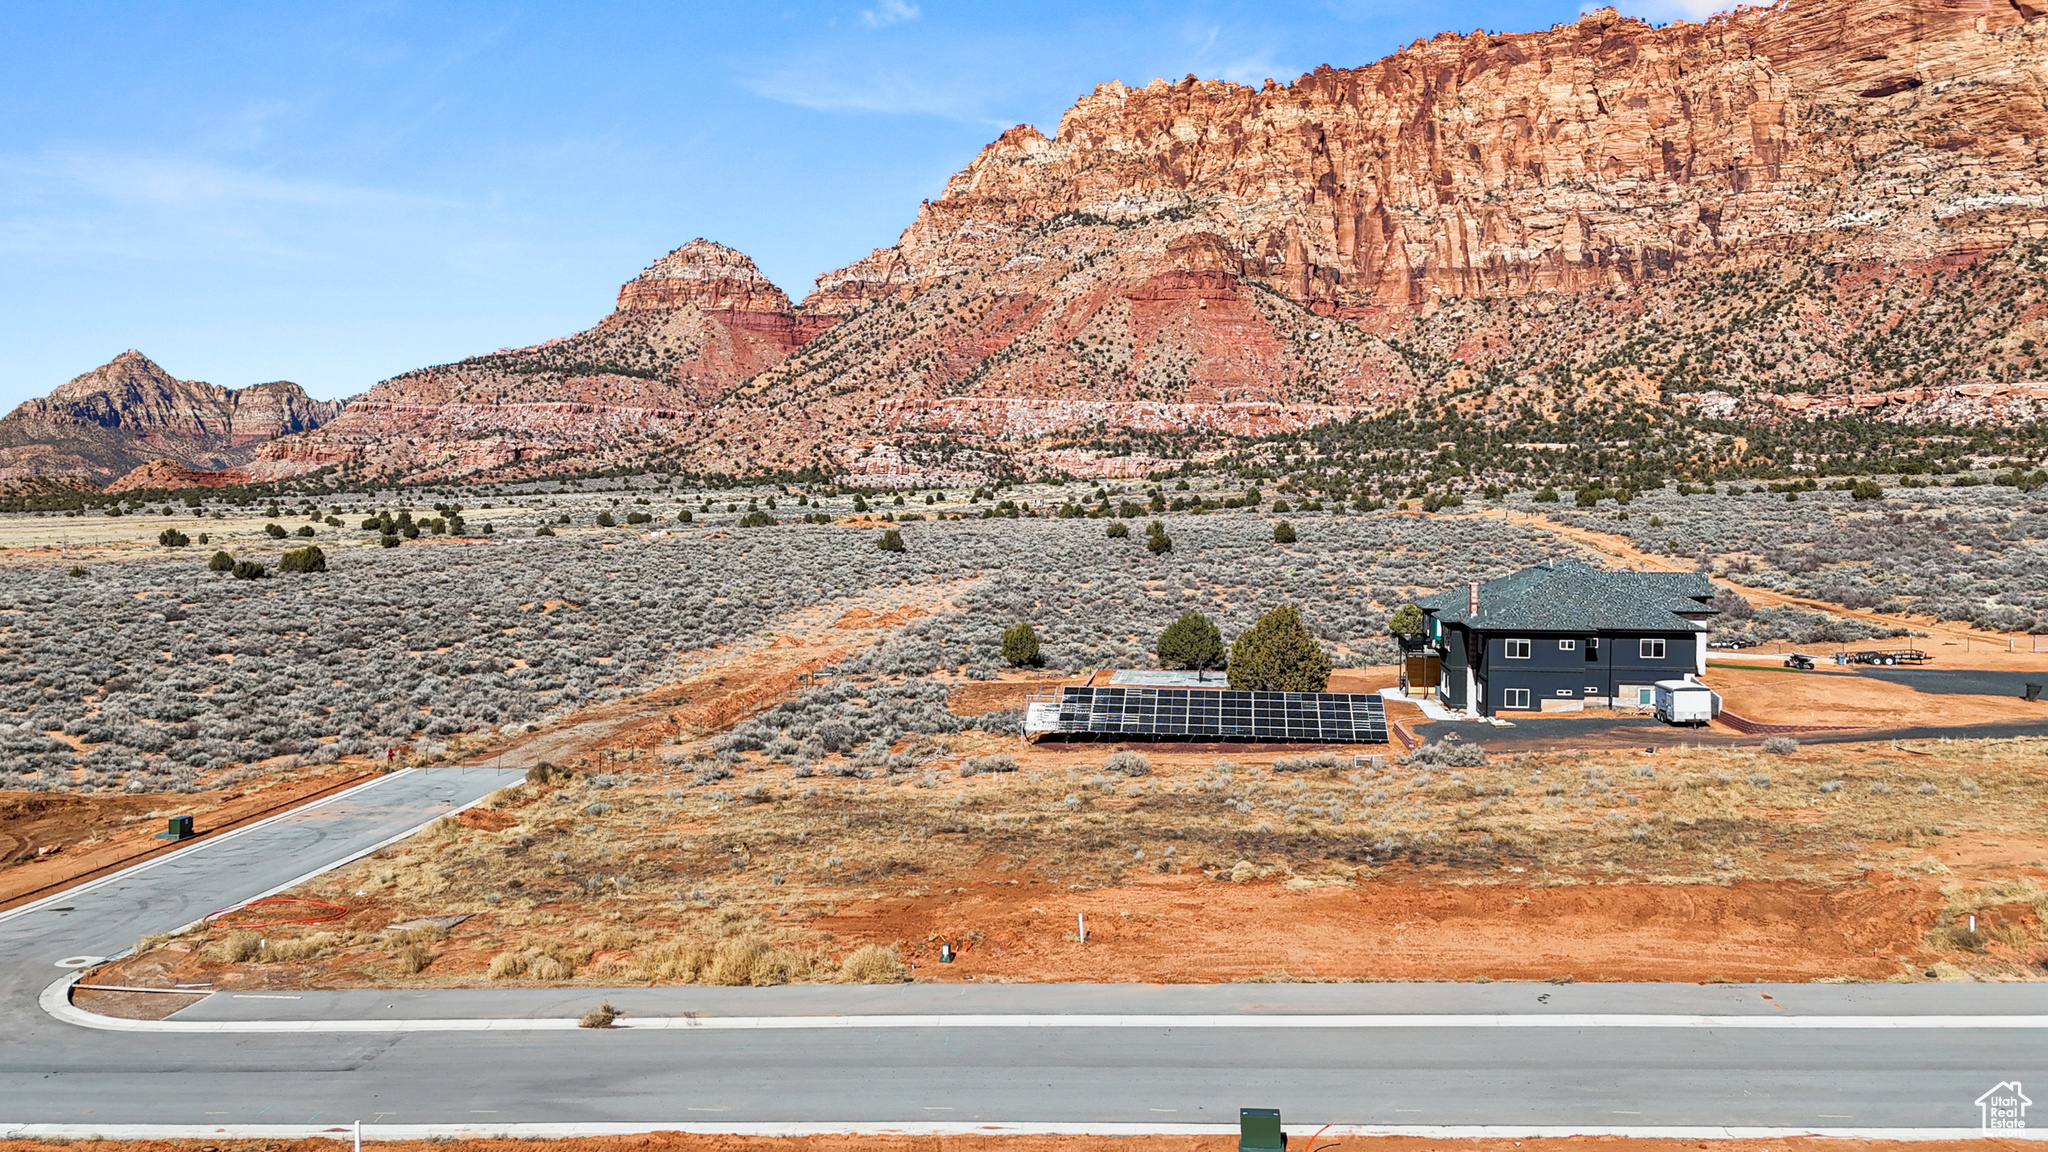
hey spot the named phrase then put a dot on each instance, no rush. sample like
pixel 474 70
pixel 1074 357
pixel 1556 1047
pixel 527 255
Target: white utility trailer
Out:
pixel 1686 702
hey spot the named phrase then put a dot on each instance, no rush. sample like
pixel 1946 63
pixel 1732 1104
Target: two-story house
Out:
pixel 1562 637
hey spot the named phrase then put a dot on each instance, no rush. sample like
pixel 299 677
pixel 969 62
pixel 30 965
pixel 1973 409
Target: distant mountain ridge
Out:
pixel 1819 208
pixel 128 412
pixel 686 330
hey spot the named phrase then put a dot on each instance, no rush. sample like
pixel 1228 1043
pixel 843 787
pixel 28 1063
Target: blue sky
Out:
pixel 334 193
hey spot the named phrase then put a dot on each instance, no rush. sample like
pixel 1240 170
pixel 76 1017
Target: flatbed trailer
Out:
pixel 1886 658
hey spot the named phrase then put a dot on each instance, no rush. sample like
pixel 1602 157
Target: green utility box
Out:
pixel 180 829
pixel 1258 1130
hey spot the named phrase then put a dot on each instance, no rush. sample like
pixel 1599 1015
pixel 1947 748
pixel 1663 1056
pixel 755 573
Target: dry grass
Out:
pixel 657 881
pixel 872 964
pixel 237 947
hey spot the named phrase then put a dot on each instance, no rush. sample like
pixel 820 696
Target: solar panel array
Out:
pixel 1209 714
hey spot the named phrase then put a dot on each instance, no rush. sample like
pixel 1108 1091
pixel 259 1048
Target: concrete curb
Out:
pixel 158 861
pixel 55 1000
pixel 968 1128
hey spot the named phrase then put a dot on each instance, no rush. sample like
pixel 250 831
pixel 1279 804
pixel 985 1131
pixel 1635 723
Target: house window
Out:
pixel 1646 696
pixel 1516 649
pixel 1567 645
pixel 1592 689
pixel 1592 649
pixel 1653 649
pixel 1514 698
pixel 1564 692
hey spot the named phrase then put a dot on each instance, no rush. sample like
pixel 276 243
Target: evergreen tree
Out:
pixel 1191 642
pixel 891 541
pixel 1119 530
pixel 1408 620
pixel 307 559
pixel 1278 654
pixel 221 562
pixel 1020 645
pixel 1157 540
pixel 1283 533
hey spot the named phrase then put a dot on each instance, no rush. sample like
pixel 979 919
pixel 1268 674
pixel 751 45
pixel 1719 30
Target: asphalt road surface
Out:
pixel 1500 1058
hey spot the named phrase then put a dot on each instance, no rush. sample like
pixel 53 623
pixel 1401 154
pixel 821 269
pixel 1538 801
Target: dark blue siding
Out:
pixel 1552 672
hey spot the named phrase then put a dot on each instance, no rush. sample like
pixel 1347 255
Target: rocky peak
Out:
pixel 708 275
pixel 131 374
pixel 128 411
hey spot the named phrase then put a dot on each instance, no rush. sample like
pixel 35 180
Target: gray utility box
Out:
pixel 1258 1130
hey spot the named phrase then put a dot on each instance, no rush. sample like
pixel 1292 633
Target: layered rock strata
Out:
pixel 106 422
pixel 1758 205
pixel 694 323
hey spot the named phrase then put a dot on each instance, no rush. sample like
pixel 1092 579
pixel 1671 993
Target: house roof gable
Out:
pixel 1575 597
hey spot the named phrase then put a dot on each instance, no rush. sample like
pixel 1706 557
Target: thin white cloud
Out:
pixel 888 12
pixel 150 207
pixel 1221 54
pixel 829 87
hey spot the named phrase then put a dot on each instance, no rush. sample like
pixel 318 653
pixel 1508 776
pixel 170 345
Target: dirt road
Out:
pixel 1977 649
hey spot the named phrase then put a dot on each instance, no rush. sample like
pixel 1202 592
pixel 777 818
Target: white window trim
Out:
pixel 1509 698
pixel 1567 645
pixel 1592 689
pixel 1507 648
pixel 1565 692
pixel 1643 649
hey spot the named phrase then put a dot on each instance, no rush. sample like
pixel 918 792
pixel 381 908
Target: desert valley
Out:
pixel 739 626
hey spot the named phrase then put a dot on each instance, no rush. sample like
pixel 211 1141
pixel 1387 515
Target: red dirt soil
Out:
pixel 31 821
pixel 1181 929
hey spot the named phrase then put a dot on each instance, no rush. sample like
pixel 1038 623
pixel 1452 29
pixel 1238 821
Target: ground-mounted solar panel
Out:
pixel 1225 714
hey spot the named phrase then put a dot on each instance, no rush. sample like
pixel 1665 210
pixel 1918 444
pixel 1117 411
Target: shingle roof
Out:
pixel 1573 597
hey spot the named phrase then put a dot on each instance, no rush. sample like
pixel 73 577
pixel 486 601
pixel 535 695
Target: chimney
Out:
pixel 1472 604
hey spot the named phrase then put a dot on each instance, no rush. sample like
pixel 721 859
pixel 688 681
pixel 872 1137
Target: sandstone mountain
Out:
pixel 129 411
pixel 695 323
pixel 1825 207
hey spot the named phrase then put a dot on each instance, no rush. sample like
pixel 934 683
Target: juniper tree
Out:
pixel 1020 645
pixel 1278 654
pixel 307 559
pixel 1192 642
pixel 1156 539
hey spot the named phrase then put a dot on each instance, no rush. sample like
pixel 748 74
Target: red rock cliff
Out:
pixel 128 411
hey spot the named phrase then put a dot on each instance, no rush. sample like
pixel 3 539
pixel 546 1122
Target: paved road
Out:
pixel 1512 1057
